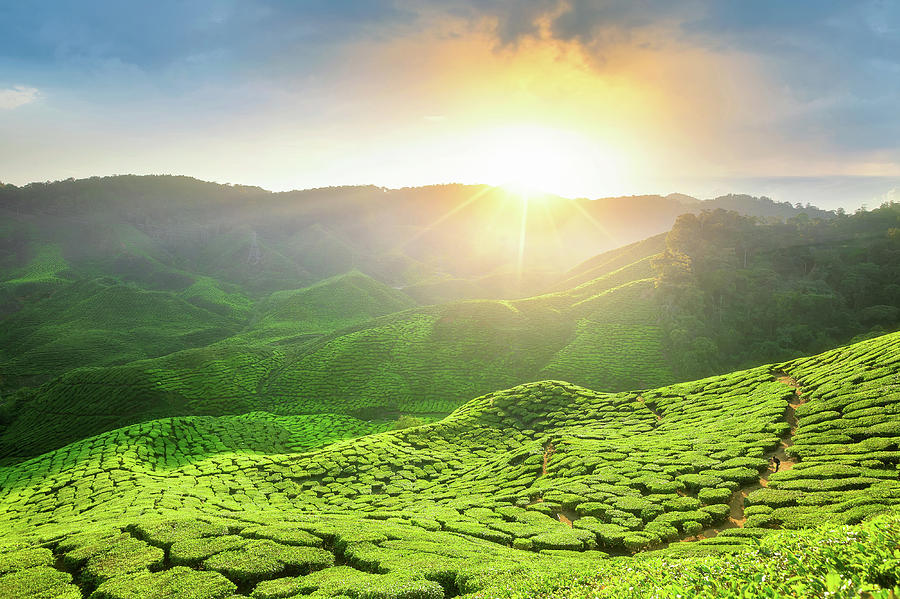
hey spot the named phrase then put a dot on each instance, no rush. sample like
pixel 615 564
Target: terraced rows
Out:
pixel 846 440
pixel 99 323
pixel 605 333
pixel 511 477
pixel 713 436
pixel 88 401
pixel 329 305
pixel 425 361
pixel 291 556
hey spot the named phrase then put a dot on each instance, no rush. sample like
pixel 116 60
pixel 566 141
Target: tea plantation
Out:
pixel 216 392
pixel 543 489
pixel 383 363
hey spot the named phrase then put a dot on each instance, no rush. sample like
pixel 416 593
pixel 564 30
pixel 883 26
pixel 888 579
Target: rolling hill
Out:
pixel 218 392
pixel 540 482
pixel 353 346
pixel 423 361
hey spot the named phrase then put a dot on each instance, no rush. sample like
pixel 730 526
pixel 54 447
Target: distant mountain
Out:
pixel 761 207
pixel 162 231
pixel 178 297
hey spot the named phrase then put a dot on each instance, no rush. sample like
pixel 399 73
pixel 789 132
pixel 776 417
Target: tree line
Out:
pixel 738 291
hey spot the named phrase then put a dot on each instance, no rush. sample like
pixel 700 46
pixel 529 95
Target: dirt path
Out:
pixel 654 412
pixel 790 415
pixel 736 517
pixel 548 453
pixel 566 517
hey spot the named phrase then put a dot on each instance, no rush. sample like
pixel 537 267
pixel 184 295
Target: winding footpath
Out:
pixel 736 517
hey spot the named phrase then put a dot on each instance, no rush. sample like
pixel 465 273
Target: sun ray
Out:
pixel 553 228
pixel 522 232
pixel 594 221
pixel 444 217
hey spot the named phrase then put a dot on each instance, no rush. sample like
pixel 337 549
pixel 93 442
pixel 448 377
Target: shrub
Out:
pixel 177 582
pixel 557 540
pixel 710 496
pixel 407 421
pixel 690 527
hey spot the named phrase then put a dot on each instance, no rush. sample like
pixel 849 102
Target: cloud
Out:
pixel 729 86
pixel 823 72
pixel 16 96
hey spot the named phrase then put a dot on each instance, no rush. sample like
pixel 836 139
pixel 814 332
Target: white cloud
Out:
pixel 16 96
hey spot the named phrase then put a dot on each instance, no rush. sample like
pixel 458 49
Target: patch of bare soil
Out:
pixel 655 413
pixel 548 453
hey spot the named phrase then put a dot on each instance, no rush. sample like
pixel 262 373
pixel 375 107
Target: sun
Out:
pixel 533 160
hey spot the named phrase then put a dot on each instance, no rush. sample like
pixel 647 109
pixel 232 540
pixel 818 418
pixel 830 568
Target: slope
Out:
pixel 460 503
pixel 100 322
pixel 329 305
pixel 636 324
pixel 424 361
pixel 604 264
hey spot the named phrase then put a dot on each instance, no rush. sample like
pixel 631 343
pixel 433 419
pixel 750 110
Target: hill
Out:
pixel 101 322
pixel 329 305
pixel 162 230
pixel 738 292
pixel 352 346
pixel 526 489
pixel 424 361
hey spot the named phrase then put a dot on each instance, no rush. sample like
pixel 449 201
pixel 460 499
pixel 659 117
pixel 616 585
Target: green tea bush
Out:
pixel 458 501
pixel 176 582
pixel 263 559
pixel 714 495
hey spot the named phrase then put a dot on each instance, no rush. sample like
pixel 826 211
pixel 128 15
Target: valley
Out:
pixel 242 412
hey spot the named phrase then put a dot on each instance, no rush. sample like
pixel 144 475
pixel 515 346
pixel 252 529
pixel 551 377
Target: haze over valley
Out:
pixel 388 300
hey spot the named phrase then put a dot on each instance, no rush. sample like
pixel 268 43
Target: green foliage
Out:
pixel 176 582
pixel 714 495
pixel 101 323
pixel 423 363
pixel 317 436
pixel 628 468
pixel 40 582
pixel 825 562
pixel 737 290
pixel 329 305
pixel 406 421
pixel 262 559
pixel 343 580
pixel 457 505
pixel 165 533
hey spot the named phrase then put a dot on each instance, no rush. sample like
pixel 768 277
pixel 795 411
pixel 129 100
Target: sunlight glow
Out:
pixel 523 228
pixel 444 217
pixel 531 160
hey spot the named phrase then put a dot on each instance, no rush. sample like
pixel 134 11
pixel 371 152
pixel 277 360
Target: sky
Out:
pixel 796 100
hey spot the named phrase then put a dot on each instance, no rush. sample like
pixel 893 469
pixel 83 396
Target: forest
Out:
pixel 733 286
